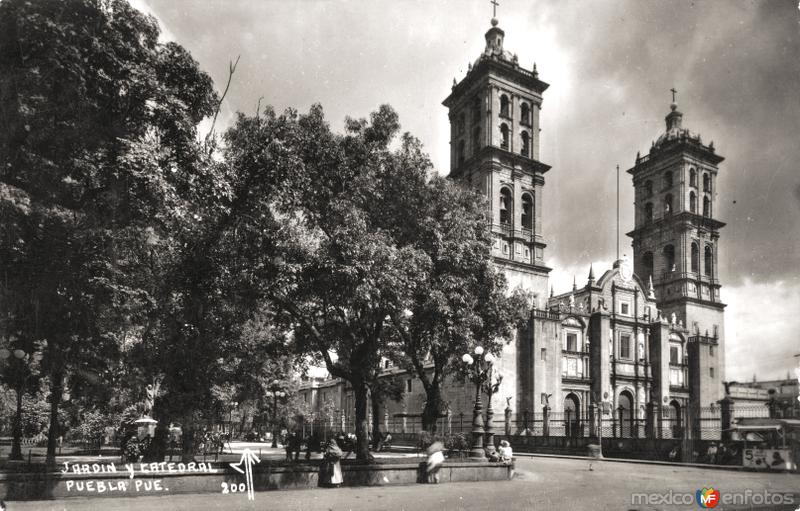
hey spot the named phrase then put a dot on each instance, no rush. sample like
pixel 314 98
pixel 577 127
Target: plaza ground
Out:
pixel 541 483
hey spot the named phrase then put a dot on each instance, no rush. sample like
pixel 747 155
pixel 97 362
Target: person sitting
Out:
pixel 504 452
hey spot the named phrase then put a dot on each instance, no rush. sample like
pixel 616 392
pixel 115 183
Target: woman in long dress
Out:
pixel 434 462
pixel 333 455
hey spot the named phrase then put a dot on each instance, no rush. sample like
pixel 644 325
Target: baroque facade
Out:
pixel 645 336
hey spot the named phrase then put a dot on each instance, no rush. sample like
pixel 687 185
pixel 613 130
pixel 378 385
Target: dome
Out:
pixel 675 131
pixel 676 134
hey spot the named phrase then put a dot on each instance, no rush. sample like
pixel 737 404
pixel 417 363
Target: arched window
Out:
pixel 709 261
pixel 647 263
pixel 524 114
pixel 476 140
pixel 667 179
pixel 526 148
pixel 695 258
pixel 476 110
pixel 648 188
pixel 461 151
pixel 668 205
pixel 625 411
pixel 706 183
pixel 505 206
pixel 648 212
pixel 461 124
pixel 674 417
pixel 504 105
pixel 669 257
pixel 693 178
pixel 692 202
pixel 504 133
pixel 527 211
pixel 572 415
pixel 706 207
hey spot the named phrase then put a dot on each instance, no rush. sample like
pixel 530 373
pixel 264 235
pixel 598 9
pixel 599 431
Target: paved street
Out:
pixel 541 483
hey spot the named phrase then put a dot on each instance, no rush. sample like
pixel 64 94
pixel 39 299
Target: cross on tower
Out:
pixel 673 94
pixel 494 3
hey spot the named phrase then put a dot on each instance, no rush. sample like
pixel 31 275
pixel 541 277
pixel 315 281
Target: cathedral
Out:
pixel 648 333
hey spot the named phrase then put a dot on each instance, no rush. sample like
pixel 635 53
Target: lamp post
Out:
pixel 234 405
pixel 491 389
pixel 478 369
pixel 276 391
pixel 21 365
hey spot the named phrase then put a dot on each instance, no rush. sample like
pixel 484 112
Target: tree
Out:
pixel 98 154
pixel 463 301
pixel 328 267
pixel 380 391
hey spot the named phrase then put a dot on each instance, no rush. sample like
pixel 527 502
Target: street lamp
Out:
pixel 276 391
pixel 234 405
pixel 490 388
pixel 23 365
pixel 478 368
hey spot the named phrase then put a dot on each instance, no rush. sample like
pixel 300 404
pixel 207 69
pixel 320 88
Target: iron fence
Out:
pixel 665 422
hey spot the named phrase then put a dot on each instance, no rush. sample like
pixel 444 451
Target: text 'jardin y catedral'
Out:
pixel 133 470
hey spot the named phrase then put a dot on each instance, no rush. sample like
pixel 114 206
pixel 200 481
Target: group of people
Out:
pixel 503 454
pixel 332 455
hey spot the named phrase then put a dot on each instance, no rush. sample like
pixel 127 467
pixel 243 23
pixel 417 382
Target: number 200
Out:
pixel 233 488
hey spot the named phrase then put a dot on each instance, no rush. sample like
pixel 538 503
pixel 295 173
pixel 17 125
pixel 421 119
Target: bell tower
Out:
pixel 494 147
pixel 675 243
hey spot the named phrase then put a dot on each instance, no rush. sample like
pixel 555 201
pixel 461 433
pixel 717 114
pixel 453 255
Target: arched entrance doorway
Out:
pixel 572 415
pixel 625 413
pixel 675 419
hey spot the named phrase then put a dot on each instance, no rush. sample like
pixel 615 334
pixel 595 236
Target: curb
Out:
pixel 615 460
pixel 626 460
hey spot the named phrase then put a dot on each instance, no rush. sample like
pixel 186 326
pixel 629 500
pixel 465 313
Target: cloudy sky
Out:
pixel 735 64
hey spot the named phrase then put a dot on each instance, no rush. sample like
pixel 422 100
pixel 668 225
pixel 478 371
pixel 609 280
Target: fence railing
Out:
pixel 661 423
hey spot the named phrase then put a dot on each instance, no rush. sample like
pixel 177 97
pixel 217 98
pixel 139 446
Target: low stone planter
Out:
pixel 174 478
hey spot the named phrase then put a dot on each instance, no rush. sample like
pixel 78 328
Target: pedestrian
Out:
pixel 435 461
pixel 332 463
pixel 594 455
pixel 711 453
pixel 504 451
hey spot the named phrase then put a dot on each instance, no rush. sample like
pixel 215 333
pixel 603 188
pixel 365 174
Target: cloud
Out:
pixel 761 330
pixel 610 66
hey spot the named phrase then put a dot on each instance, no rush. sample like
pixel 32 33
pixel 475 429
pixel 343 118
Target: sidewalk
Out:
pixel 619 460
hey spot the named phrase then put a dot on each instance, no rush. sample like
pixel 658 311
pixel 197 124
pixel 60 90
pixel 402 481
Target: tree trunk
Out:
pixel 362 425
pixel 16 446
pixel 187 443
pixel 243 422
pixel 376 420
pixel 433 404
pixel 56 389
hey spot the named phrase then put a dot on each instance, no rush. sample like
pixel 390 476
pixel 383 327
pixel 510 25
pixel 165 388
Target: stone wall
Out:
pixel 223 479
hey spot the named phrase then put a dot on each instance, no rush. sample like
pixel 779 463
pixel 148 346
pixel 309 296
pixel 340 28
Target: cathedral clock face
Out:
pixel 626 270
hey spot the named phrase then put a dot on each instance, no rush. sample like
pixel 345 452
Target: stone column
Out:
pixel 650 429
pixel 592 420
pixel 726 407
pixel 545 420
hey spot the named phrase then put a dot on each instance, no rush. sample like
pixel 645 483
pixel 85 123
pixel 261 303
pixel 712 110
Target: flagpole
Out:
pixel 618 212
